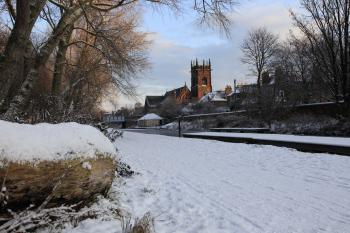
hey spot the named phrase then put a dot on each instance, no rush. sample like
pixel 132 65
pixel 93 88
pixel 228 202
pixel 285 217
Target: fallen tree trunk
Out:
pixel 52 164
pixel 57 182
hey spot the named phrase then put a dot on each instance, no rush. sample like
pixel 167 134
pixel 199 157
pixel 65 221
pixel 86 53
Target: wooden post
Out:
pixel 179 128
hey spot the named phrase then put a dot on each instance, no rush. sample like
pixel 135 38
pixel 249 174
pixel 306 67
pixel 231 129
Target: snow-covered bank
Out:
pixel 22 142
pixel 320 140
pixel 193 185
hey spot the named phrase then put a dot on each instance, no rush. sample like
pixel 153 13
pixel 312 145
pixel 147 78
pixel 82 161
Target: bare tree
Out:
pixel 295 66
pixel 258 50
pixel 326 25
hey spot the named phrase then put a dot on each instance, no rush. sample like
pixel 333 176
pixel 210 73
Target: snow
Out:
pixel 240 129
pixel 184 125
pixel 188 109
pixel 318 104
pixel 193 185
pixel 213 114
pixel 337 141
pixel 30 143
pixel 107 220
pixel 172 126
pixel 86 165
pixel 212 96
pixel 151 116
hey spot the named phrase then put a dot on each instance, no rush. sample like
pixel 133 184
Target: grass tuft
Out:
pixel 142 225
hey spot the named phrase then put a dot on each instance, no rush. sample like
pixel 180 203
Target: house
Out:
pixel 215 100
pixel 150 120
pixel 239 93
pixel 243 94
pixel 181 95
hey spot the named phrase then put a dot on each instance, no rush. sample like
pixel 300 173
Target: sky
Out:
pixel 177 39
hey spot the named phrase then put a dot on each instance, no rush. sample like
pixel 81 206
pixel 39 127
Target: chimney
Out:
pixel 235 86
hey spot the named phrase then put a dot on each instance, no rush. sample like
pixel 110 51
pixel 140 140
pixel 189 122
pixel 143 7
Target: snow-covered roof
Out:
pixel 212 96
pixel 150 116
pixel 30 143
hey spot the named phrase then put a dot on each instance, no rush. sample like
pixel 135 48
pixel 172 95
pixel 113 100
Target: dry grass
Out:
pixel 142 225
pixel 54 219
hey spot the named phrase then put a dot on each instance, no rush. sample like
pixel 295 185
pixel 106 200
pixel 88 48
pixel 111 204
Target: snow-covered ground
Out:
pixel 193 185
pixel 185 125
pixel 337 141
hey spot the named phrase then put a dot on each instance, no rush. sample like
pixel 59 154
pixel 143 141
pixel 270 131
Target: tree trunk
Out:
pixel 12 66
pixel 19 103
pixel 60 63
pixel 66 181
pixel 18 51
pixel 259 100
pixel 347 96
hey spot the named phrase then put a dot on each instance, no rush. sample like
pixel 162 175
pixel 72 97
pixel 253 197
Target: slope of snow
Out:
pixel 22 142
pixel 193 185
pixel 185 125
pixel 241 128
pixel 339 141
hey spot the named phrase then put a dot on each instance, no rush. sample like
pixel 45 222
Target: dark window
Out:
pixel 204 81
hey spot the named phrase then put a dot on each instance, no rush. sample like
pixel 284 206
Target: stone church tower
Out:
pixel 200 79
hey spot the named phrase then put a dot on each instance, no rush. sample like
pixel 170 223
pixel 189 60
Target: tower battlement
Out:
pixel 200 65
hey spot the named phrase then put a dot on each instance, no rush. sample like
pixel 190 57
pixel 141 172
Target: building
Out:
pixel 244 94
pixel 152 103
pixel 150 120
pixel 201 84
pixel 200 79
pixel 181 95
pixel 114 118
pixel 216 101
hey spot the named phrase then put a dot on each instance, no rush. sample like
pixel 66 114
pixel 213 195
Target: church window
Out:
pixel 204 81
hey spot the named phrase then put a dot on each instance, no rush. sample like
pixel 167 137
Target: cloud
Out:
pixel 177 41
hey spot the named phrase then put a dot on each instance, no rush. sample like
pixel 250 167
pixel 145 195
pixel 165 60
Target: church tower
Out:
pixel 200 79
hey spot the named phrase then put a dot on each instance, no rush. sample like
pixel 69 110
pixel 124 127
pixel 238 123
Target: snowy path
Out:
pixel 193 185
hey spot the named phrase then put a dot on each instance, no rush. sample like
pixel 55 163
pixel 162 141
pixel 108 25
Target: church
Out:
pixel 200 86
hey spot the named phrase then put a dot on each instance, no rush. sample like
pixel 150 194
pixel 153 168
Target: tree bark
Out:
pixel 60 63
pixel 19 103
pixel 18 48
pixel 66 181
pixel 11 68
